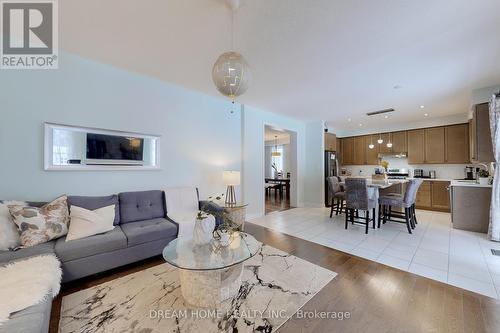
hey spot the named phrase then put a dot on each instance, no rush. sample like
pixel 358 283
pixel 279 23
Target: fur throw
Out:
pixel 28 282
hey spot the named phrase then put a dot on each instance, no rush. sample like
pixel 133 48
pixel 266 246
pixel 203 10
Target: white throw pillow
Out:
pixel 9 232
pixel 84 222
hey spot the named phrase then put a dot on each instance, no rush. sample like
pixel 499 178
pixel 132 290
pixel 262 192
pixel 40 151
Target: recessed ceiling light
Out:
pixel 426 114
pixel 422 106
pixel 386 116
pixel 360 125
pixel 349 119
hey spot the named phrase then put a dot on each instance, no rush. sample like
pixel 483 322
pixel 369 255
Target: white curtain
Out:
pixel 494 228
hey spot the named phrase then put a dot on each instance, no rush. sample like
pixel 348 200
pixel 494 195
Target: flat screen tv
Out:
pixel 112 149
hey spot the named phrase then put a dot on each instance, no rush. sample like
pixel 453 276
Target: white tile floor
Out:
pixel 434 250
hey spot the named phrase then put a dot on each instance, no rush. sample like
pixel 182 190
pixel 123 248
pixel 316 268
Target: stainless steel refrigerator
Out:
pixel 331 169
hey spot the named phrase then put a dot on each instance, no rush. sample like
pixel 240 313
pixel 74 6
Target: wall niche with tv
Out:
pixel 84 148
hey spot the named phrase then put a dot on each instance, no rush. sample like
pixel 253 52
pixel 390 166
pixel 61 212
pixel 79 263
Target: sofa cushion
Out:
pixel 33 319
pixel 138 206
pixel 93 203
pixel 181 200
pixel 149 230
pixel 44 248
pixel 89 246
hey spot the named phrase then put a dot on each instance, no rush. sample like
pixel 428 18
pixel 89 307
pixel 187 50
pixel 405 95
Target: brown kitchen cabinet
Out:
pixel 347 151
pixel 371 155
pixel 416 139
pixel 434 145
pixel 457 147
pixel 399 142
pixel 382 148
pixel 330 142
pixel 433 195
pixel 440 197
pixel 359 150
pixel 423 200
pixel 481 148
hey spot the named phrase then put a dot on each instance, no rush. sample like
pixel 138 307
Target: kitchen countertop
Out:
pixel 467 184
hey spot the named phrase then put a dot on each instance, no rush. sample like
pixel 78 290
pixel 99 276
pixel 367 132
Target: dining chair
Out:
pixel 406 202
pixel 357 197
pixel 336 194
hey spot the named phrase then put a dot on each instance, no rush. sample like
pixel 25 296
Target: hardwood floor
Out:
pixel 275 204
pixel 379 298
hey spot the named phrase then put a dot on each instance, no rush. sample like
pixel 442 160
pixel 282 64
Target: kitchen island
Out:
pixel 470 205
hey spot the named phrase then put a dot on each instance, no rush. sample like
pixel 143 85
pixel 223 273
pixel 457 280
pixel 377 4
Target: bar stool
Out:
pixel 387 202
pixel 337 194
pixel 357 198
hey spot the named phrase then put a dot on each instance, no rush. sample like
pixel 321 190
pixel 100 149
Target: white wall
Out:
pixel 315 185
pixel 199 137
pixel 253 122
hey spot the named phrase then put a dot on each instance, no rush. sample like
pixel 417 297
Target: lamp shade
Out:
pixel 231 178
pixel 231 74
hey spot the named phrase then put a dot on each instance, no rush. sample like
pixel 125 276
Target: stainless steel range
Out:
pixel 397 173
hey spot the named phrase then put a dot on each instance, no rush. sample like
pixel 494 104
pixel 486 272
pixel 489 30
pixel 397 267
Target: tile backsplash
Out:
pixel 443 171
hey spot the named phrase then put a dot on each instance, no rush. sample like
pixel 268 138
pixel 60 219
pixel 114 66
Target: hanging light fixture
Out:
pixel 389 144
pixel 231 73
pixel 275 152
pixel 371 145
pixel 380 140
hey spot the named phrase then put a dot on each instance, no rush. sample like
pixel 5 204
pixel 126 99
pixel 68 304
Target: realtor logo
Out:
pixel 29 34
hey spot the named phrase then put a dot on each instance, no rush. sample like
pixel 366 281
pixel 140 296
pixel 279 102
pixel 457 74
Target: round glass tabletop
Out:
pixel 182 253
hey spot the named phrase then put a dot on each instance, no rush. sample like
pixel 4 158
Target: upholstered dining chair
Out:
pixel 406 202
pixel 337 195
pixel 357 197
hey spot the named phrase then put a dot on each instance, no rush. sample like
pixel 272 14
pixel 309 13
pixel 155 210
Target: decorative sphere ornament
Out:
pixel 231 74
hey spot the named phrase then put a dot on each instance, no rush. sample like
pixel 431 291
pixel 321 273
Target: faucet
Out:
pixel 483 165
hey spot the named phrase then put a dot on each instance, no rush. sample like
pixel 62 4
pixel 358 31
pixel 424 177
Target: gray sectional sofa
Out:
pixel 142 230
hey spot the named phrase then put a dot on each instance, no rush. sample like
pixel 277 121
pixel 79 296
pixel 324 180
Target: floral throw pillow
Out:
pixel 40 225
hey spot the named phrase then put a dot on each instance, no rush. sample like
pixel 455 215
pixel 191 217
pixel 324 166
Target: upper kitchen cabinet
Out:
pixel 457 147
pixel 382 148
pixel 481 148
pixel 330 142
pixel 416 139
pixel 371 155
pixel 347 151
pixel 434 145
pixel 359 150
pixel 399 142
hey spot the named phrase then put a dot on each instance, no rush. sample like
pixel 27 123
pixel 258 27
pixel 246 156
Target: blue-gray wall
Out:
pixel 200 138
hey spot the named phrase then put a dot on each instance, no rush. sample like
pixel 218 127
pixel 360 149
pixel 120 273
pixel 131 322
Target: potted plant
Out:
pixel 483 176
pixel 225 229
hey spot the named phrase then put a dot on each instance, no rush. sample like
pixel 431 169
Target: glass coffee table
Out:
pixel 211 273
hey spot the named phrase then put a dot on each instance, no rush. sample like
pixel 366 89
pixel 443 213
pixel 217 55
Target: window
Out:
pixel 277 161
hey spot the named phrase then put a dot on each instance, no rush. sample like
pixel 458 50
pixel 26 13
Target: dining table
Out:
pixel 282 181
pixel 375 185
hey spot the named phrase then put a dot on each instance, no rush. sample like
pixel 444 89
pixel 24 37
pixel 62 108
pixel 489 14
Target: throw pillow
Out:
pixel 9 233
pixel 40 225
pixel 84 222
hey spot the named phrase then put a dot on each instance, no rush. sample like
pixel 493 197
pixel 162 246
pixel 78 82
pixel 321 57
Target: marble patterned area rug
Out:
pixel 275 285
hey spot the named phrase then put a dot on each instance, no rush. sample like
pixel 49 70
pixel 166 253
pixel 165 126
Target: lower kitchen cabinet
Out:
pixel 433 195
pixel 423 200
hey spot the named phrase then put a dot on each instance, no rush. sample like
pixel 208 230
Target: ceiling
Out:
pixel 312 60
pixel 271 133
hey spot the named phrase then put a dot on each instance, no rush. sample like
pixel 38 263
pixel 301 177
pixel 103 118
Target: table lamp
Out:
pixel 231 179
